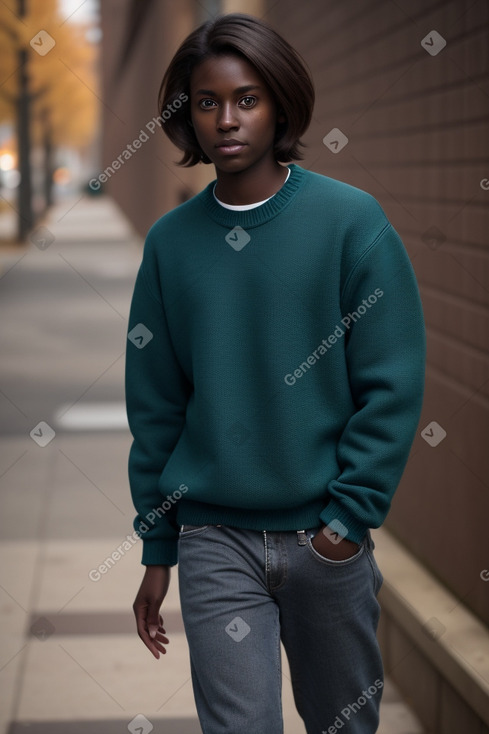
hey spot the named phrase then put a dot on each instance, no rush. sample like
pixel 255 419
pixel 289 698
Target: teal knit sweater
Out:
pixel 275 365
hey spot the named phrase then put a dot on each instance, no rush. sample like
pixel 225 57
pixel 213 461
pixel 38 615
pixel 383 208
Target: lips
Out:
pixel 230 146
pixel 229 142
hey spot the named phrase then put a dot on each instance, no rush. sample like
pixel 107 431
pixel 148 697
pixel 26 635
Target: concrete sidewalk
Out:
pixel 71 661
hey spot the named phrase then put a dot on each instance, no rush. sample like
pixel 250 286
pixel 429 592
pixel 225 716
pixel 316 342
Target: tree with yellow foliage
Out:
pixel 48 88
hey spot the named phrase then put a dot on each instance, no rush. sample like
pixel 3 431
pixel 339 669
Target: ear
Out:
pixel 281 116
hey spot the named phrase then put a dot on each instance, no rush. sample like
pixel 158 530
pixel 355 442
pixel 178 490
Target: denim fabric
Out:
pixel 242 591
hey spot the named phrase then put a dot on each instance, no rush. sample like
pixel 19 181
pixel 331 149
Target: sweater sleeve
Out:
pixel 157 392
pixel 385 354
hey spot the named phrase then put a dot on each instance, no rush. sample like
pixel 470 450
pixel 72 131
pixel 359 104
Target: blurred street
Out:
pixel 71 661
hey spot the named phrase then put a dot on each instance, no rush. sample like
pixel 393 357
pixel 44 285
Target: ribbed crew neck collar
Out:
pixel 260 214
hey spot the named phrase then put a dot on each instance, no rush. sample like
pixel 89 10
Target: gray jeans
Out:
pixel 242 591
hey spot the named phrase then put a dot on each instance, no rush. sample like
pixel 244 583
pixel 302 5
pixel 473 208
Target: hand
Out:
pixel 146 608
pixel 334 551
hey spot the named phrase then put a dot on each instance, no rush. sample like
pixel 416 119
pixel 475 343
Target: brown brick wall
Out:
pixel 148 184
pixel 417 126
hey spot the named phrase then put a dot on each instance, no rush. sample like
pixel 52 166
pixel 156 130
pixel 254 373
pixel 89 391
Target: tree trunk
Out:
pixel 26 215
pixel 48 161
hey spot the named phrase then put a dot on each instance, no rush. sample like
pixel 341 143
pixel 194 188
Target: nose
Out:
pixel 227 119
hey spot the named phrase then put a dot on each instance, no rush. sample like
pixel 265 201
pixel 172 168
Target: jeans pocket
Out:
pixel 192 530
pixel 330 561
pixel 377 574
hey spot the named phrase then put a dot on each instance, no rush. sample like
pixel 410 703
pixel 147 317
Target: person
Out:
pixel 274 381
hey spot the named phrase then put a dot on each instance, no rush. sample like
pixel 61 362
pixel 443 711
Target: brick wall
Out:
pixel 416 124
pixel 148 184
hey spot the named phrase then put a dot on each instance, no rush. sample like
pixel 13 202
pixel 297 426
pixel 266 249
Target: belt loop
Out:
pixel 301 537
pixel 369 542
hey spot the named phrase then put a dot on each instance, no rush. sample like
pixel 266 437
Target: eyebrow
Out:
pixel 239 90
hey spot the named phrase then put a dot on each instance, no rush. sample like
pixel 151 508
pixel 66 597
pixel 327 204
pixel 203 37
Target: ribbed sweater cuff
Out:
pixel 336 512
pixel 160 552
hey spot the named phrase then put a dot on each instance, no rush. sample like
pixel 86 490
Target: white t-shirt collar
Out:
pixel 245 207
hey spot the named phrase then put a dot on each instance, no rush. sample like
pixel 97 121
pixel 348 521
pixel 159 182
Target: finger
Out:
pixel 143 633
pixel 154 628
pixel 154 620
pixel 145 630
pixel 161 648
pixel 158 627
pixel 154 645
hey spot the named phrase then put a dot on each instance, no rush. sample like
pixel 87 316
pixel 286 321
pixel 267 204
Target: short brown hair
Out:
pixel 279 64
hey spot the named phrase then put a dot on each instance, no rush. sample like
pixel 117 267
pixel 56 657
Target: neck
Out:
pixel 249 186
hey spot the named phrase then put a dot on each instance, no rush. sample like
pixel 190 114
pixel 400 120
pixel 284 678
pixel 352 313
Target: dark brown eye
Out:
pixel 248 101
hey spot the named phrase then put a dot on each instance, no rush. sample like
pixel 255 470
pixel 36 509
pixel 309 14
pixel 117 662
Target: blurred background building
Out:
pixel 402 112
